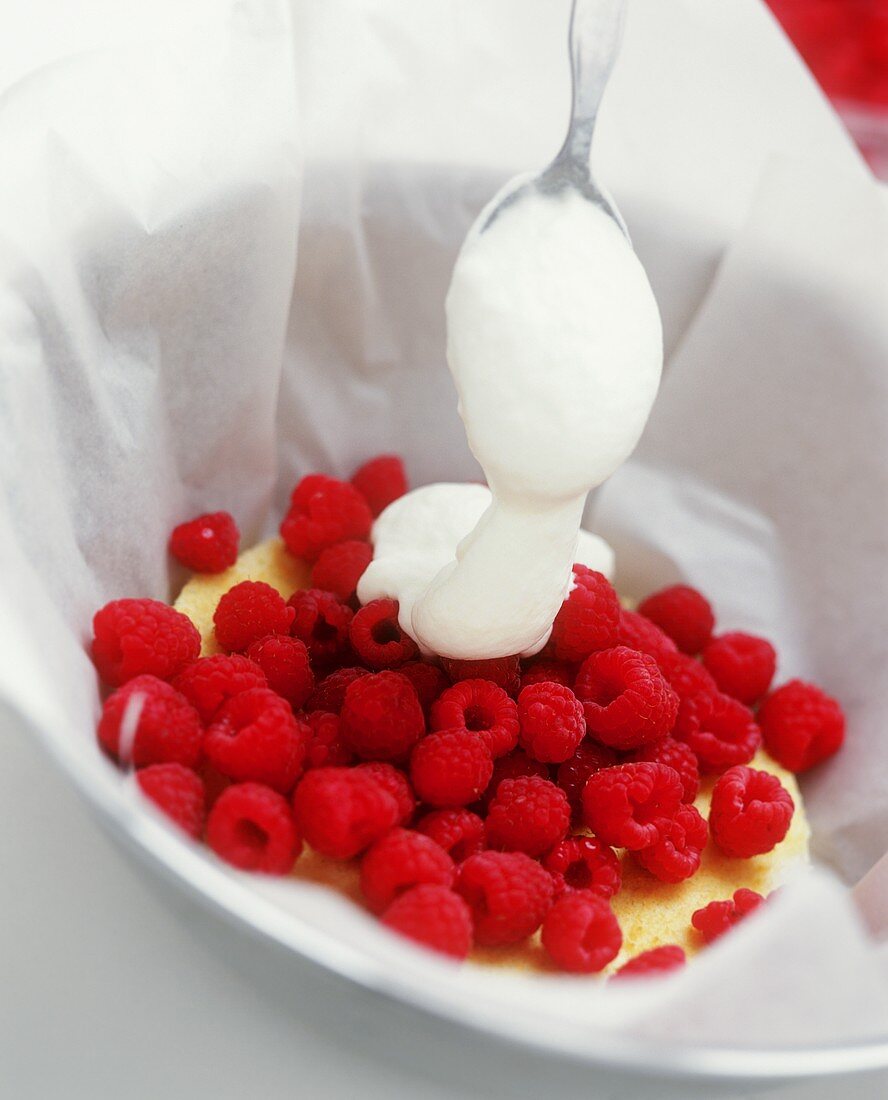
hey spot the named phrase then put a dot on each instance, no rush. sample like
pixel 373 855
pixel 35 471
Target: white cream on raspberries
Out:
pixel 555 345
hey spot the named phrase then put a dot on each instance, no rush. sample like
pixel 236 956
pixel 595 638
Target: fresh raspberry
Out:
pixel 178 792
pixel 718 917
pixel 742 665
pixel 483 708
pixel 508 893
pixel 682 613
pixel 340 567
pixel 209 682
pixel 551 722
pixel 214 782
pixel 637 632
pixel 142 637
pixel 434 917
pixel 381 718
pixel 284 660
pixel 380 481
pixel 321 622
pixel 329 695
pixel 676 755
pixel 750 812
pixel 459 832
pixel 580 933
pixel 627 806
pixel 584 863
pixel 588 618
pixel 251 827
pixel 148 722
pixel 400 860
pixel 341 811
pixel 675 856
pixel 686 675
pixel 428 681
pixel 554 672
pixel 513 766
pixel 397 784
pixel 527 815
pixel 249 611
pixel 502 671
pixel 377 638
pixel 626 699
pixel 207 544
pixel 572 775
pixel 325 747
pixel 658 960
pixel 450 768
pixel 720 731
pixel 801 725
pixel 255 738
pixel 324 511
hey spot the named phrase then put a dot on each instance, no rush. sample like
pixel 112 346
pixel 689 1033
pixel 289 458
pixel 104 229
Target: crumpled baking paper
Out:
pixel 225 236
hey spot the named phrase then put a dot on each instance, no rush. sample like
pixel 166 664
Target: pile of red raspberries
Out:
pixel 484 799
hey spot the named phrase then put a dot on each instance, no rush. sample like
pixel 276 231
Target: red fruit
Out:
pixel 551 722
pixel 255 738
pixel 450 768
pixel 434 917
pixel 481 707
pixel 513 766
pixel 381 718
pixel 720 731
pixel 508 894
pixel 718 917
pixel 428 681
pixel 148 722
pixel 380 481
pixel 675 855
pixel 801 725
pixel 329 695
pixel 502 671
pixel 209 682
pixel 572 775
pixel 750 812
pixel 527 815
pixel 324 511
pixel 459 832
pixel 581 933
pixel 178 792
pixel 377 638
pixel 554 672
pixel 397 784
pixel 400 860
pixel 251 827
pixel 284 660
pixel 626 700
pixel 207 544
pixel 341 811
pixel 249 611
pixel 321 622
pixel 683 614
pixel 142 637
pixel 340 567
pixel 627 806
pixel 325 749
pixel 686 675
pixel 588 618
pixel 741 664
pixel 637 632
pixel 584 863
pixel 676 755
pixel 656 961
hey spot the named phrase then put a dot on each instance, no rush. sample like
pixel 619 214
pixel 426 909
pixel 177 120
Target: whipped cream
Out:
pixel 555 345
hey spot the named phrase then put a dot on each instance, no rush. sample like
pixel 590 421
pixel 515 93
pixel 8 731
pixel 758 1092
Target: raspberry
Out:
pixel 658 960
pixel 675 856
pixel 483 708
pixel 513 766
pixel 584 863
pixel 551 721
pixel 682 613
pixel 178 792
pixel 284 660
pixel 397 784
pixel 377 638
pixel 251 827
pixel 741 664
pixel 249 611
pixel 325 747
pixel 148 722
pixel 626 806
pixel 208 682
pixel 686 675
pixel 428 681
pixel 329 695
pixel 450 768
pixel 626 700
pixel 381 718
pixel 581 933
pixel 380 481
pixel 554 672
pixel 324 511
pixel 321 622
pixel 255 738
pixel 502 671
pixel 341 811
pixel 720 731
pixel 434 917
pixel 588 618
pixel 139 637
pixel 340 567
pixel 676 755
pixel 750 812
pixel 801 725
pixel 459 832
pixel 207 544
pixel 508 893
pixel 718 917
pixel 527 815
pixel 637 632
pixel 572 775
pixel 399 860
